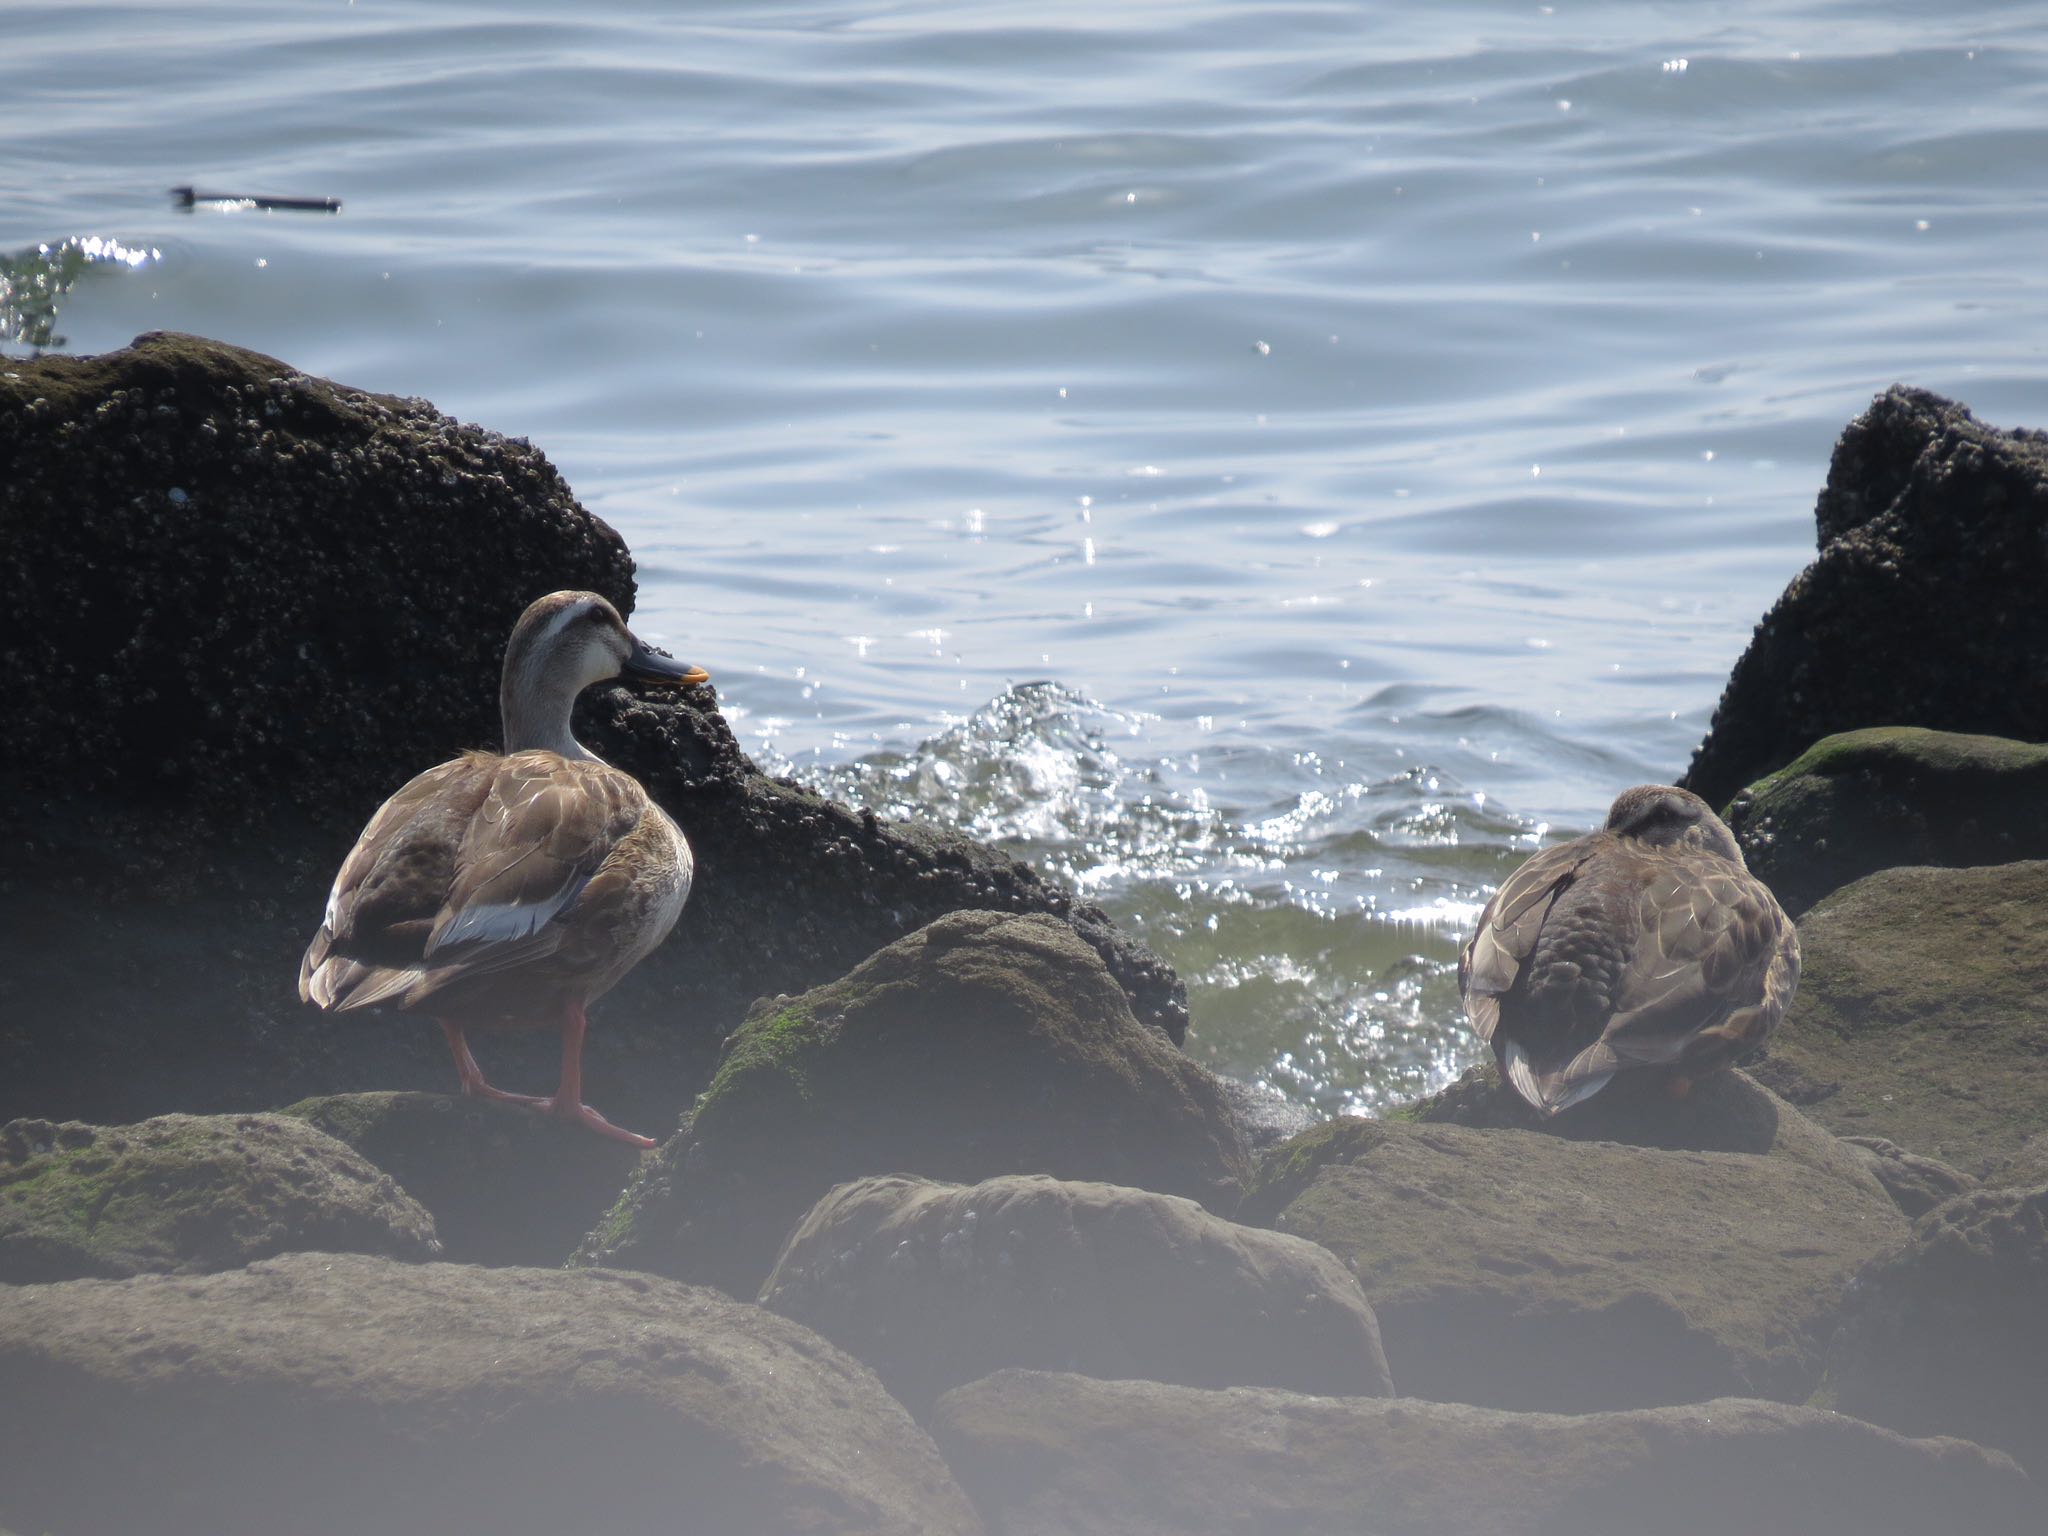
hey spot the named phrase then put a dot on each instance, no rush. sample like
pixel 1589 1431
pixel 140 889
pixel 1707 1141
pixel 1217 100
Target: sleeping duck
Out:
pixel 1647 944
pixel 516 889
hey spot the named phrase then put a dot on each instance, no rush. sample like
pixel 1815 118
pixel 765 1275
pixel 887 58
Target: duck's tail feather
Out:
pixel 1552 1092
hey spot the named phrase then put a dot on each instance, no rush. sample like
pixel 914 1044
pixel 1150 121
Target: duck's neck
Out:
pixel 536 710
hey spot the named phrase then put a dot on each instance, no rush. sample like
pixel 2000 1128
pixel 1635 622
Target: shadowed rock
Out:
pixel 326 1393
pixel 1922 608
pixel 983 1044
pixel 1875 799
pixel 1526 1269
pixel 1916 1184
pixel 935 1285
pixel 240 607
pixel 1043 1454
pixel 505 1186
pixel 1949 1335
pixel 1920 1016
pixel 189 1193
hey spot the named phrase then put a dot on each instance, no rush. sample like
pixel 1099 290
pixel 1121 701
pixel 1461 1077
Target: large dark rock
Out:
pixel 1528 1269
pixel 1950 1334
pixel 505 1185
pixel 983 1044
pixel 190 1193
pixel 936 1285
pixel 1920 1018
pixel 1047 1455
pixel 1923 607
pixel 240 607
pixel 1875 799
pixel 332 1393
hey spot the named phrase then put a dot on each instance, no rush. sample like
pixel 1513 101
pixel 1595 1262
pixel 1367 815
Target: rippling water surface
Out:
pixel 1273 465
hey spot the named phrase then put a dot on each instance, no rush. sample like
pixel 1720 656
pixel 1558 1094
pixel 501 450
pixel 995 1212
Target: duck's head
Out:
pixel 1665 817
pixel 564 643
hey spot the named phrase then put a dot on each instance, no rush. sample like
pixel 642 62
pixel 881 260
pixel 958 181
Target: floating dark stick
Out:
pixel 188 198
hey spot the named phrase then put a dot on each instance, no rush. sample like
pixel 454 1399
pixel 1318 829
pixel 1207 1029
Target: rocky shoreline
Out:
pixel 949 1235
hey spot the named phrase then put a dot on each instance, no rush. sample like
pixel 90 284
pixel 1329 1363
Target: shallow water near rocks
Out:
pixel 1273 466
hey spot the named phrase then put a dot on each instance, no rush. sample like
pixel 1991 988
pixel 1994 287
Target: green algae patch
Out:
pixel 1919 1016
pixel 1874 799
pixel 188 1194
pixel 1285 1171
pixel 983 1044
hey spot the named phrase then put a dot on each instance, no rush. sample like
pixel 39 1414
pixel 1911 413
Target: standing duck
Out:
pixel 1645 944
pixel 514 890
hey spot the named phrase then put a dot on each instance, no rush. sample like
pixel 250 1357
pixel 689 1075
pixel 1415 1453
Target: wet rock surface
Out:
pixel 981 1045
pixel 332 1393
pixel 1949 1335
pixel 1045 1454
pixel 935 1285
pixel 1919 1017
pixel 505 1185
pixel 1875 799
pixel 190 1193
pixel 241 607
pixel 1526 1270
pixel 1922 608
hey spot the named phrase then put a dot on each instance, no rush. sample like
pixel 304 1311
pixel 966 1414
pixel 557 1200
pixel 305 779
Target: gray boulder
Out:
pixel 1923 606
pixel 1046 1455
pixel 338 1394
pixel 935 1285
pixel 1874 799
pixel 1919 1016
pixel 1949 1335
pixel 184 1194
pixel 505 1185
pixel 983 1044
pixel 1528 1270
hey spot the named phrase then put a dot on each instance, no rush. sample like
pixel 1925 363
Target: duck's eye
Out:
pixel 595 616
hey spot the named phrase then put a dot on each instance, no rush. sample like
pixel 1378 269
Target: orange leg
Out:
pixel 1679 1087
pixel 472 1075
pixel 567 1102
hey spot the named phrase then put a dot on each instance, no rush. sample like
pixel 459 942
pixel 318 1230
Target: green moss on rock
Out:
pixel 983 1044
pixel 1875 799
pixel 1919 1016
pixel 190 1193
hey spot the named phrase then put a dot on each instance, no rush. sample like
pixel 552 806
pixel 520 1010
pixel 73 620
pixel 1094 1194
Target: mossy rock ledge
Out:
pixel 334 1394
pixel 1045 1453
pixel 1949 1335
pixel 983 1044
pixel 1923 606
pixel 936 1285
pixel 240 607
pixel 505 1185
pixel 185 1194
pixel 1920 1016
pixel 1874 799
pixel 1557 1269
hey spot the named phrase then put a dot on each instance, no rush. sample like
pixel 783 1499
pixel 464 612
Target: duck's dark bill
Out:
pixel 647 665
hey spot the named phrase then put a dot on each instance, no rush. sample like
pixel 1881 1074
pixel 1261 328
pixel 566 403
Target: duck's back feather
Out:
pixel 482 865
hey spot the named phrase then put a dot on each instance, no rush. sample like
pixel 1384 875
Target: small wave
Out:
pixel 1312 902
pixel 34 283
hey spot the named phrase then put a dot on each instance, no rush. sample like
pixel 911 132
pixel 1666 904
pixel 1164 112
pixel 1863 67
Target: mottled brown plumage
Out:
pixel 513 890
pixel 1645 944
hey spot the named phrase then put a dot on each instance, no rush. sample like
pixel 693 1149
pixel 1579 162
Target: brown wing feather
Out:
pixel 1492 962
pixel 491 865
pixel 1710 946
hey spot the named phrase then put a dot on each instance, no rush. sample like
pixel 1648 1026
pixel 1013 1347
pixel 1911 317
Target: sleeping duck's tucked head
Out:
pixel 1663 817
pixel 562 644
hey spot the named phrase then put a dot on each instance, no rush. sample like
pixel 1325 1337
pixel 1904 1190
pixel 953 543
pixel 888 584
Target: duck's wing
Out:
pixel 467 874
pixel 533 849
pixel 391 887
pixel 1714 967
pixel 1491 962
